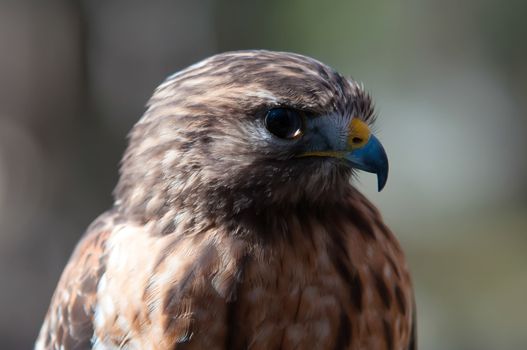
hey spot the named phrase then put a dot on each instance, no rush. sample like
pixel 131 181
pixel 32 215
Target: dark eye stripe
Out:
pixel 284 123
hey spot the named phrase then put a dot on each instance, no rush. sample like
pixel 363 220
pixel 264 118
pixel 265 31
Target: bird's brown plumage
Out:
pixel 220 238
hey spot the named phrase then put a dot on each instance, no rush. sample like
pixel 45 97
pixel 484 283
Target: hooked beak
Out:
pixel 371 158
pixel 361 151
pixel 366 152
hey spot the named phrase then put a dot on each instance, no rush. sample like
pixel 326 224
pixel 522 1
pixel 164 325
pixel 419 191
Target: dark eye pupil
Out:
pixel 284 123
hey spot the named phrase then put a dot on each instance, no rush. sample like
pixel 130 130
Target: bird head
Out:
pixel 250 127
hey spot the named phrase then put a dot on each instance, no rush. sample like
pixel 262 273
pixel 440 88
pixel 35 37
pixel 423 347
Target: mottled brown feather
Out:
pixel 69 321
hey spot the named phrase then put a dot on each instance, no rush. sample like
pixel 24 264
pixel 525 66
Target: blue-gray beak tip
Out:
pixel 382 177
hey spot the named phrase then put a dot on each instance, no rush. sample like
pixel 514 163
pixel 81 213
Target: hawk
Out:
pixel 236 224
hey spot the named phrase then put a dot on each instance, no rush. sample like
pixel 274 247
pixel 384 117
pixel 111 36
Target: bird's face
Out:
pixel 329 137
pixel 254 125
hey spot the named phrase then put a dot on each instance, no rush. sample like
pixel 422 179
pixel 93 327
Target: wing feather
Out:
pixel 69 321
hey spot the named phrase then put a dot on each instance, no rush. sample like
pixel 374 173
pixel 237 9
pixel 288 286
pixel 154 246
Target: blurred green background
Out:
pixel 450 83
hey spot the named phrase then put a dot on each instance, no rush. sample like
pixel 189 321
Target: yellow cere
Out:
pixel 359 134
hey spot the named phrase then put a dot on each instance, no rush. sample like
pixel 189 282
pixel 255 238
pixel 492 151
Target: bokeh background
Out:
pixel 449 79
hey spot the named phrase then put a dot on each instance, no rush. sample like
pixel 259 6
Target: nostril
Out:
pixel 356 140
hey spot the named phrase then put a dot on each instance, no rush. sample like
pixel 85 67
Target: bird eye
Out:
pixel 284 123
